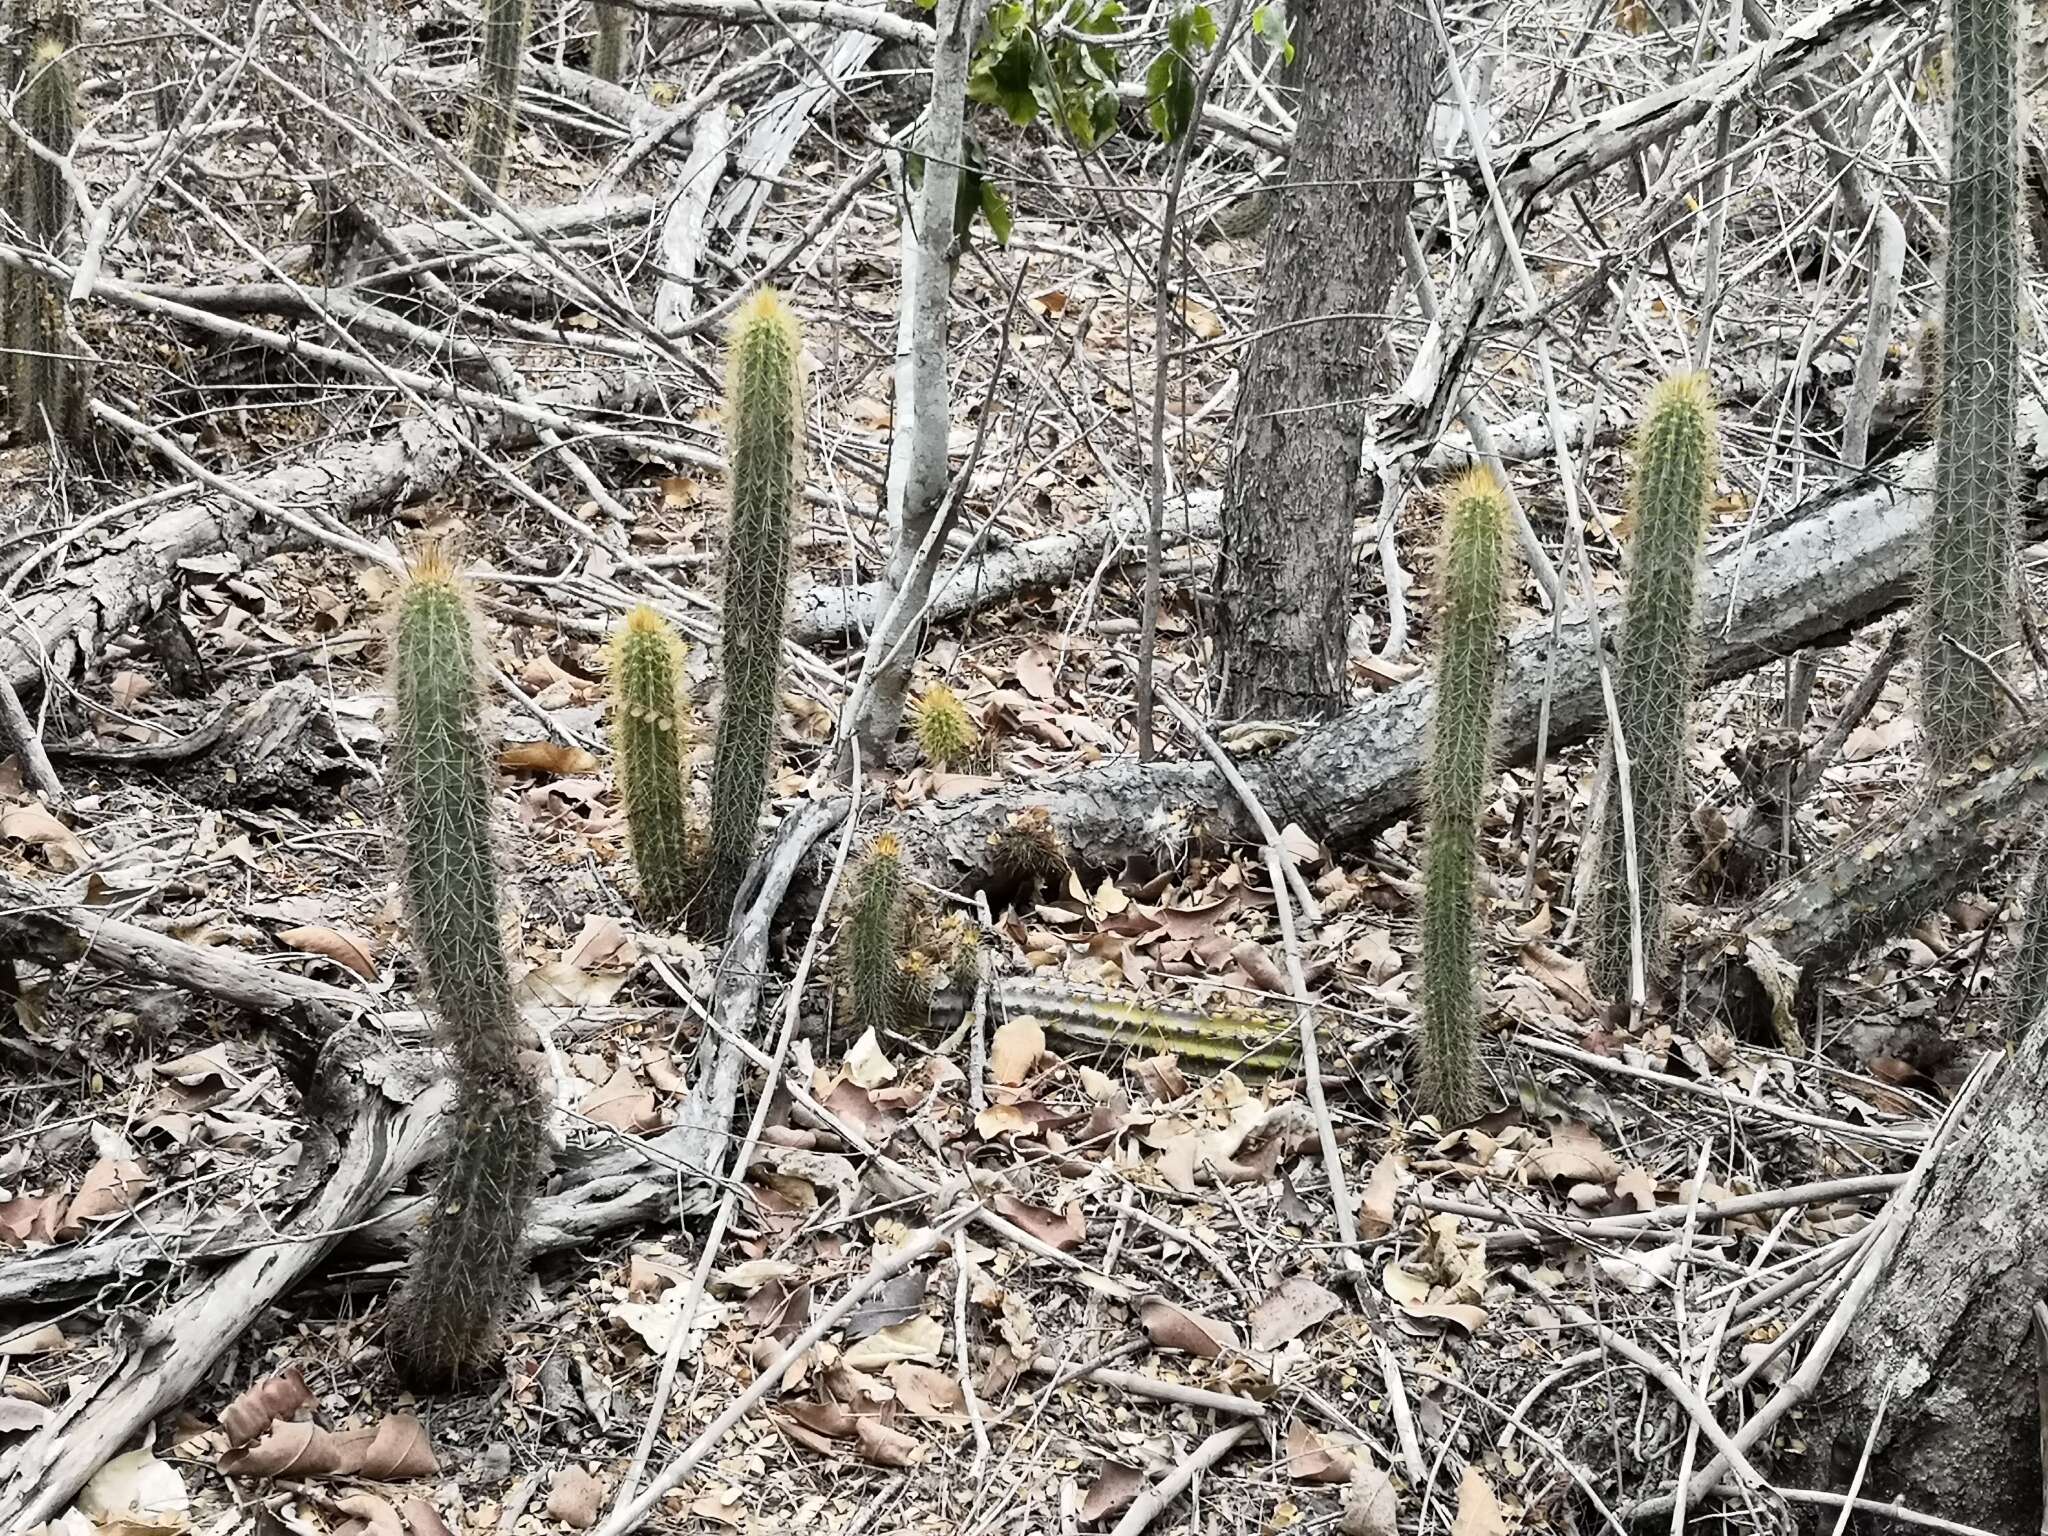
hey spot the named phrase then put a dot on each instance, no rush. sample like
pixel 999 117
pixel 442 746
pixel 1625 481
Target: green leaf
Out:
pixel 996 209
pixel 1270 23
pixel 1170 94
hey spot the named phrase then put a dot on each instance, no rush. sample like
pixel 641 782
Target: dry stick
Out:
pixel 1893 1511
pixel 962 1263
pixel 1162 286
pixel 1863 1461
pixel 1651 1222
pixel 1154 1500
pixel 1311 910
pixel 1568 479
pixel 1854 708
pixel 16 726
pixel 1657 1369
pixel 1876 1256
pixel 1404 1415
pixel 1717 223
pixel 770 1378
pixel 671 1358
pixel 1311 1067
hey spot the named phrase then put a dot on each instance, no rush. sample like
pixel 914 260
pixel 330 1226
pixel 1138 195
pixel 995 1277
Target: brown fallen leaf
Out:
pixel 373 1516
pixel 1252 959
pixel 1059 1229
pixel 1309 1458
pixel 32 1218
pixel 1564 979
pixel 343 948
pixel 19 1418
pixel 1574 1156
pixel 575 1497
pixel 1170 1327
pixel 424 1519
pixel 884 1446
pixel 45 1340
pixel 1370 1507
pixel 110 1187
pixel 289 1449
pixel 621 1104
pixel 721 1506
pixel 1293 1307
pixel 1014 1050
pixel 927 1392
pixel 1006 1120
pixel 1479 1511
pixel 832 1420
pixel 1376 1206
pixel 273 1398
pixel 546 757
pixel 33 824
pixel 399 1449
pixel 1116 1486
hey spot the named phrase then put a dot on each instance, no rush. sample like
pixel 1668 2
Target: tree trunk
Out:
pixel 1949 1330
pixel 1331 256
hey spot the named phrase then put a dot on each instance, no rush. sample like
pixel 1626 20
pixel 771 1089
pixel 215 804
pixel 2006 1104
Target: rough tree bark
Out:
pixel 1948 1334
pixel 1334 246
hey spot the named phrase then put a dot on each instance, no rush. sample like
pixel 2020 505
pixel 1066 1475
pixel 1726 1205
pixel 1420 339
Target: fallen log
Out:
pixel 61 628
pixel 1818 570
pixel 1877 882
pixel 823 614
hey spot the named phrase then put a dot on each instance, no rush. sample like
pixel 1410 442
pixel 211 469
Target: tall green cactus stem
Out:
pixel 48 383
pixel 445 1321
pixel 1470 574
pixel 1971 603
pixel 494 109
pixel 1677 450
pixel 875 938
pixel 764 433
pixel 614 40
pixel 650 736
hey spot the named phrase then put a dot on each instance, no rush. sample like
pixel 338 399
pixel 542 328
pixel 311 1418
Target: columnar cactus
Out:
pixel 650 736
pixel 465 1272
pixel 874 938
pixel 1971 600
pixel 1470 577
pixel 494 108
pixel 612 42
pixel 945 733
pixel 764 433
pixel 1677 449
pixel 49 375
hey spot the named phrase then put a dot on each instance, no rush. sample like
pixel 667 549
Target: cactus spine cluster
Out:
pixel 1677 448
pixel 445 1321
pixel 764 435
pixel 1971 601
pixel 945 734
pixel 49 375
pixel 1470 574
pixel 650 737
pixel 614 39
pixel 494 109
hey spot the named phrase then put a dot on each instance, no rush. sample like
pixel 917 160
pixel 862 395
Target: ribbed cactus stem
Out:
pixel 49 377
pixel 650 736
pixel 1676 454
pixel 613 41
pixel 1970 607
pixel 1470 576
pixel 764 436
pixel 494 109
pixel 874 936
pixel 447 1316
pixel 944 731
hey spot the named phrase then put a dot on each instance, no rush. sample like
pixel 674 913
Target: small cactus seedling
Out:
pixel 1676 452
pixel 446 1318
pixel 1026 855
pixel 49 373
pixel 1470 576
pixel 650 736
pixel 945 734
pixel 874 935
pixel 494 109
pixel 917 981
pixel 764 432
pixel 613 40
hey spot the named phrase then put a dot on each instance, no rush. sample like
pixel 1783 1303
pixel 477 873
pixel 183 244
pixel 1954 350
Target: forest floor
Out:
pixel 1469 1358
